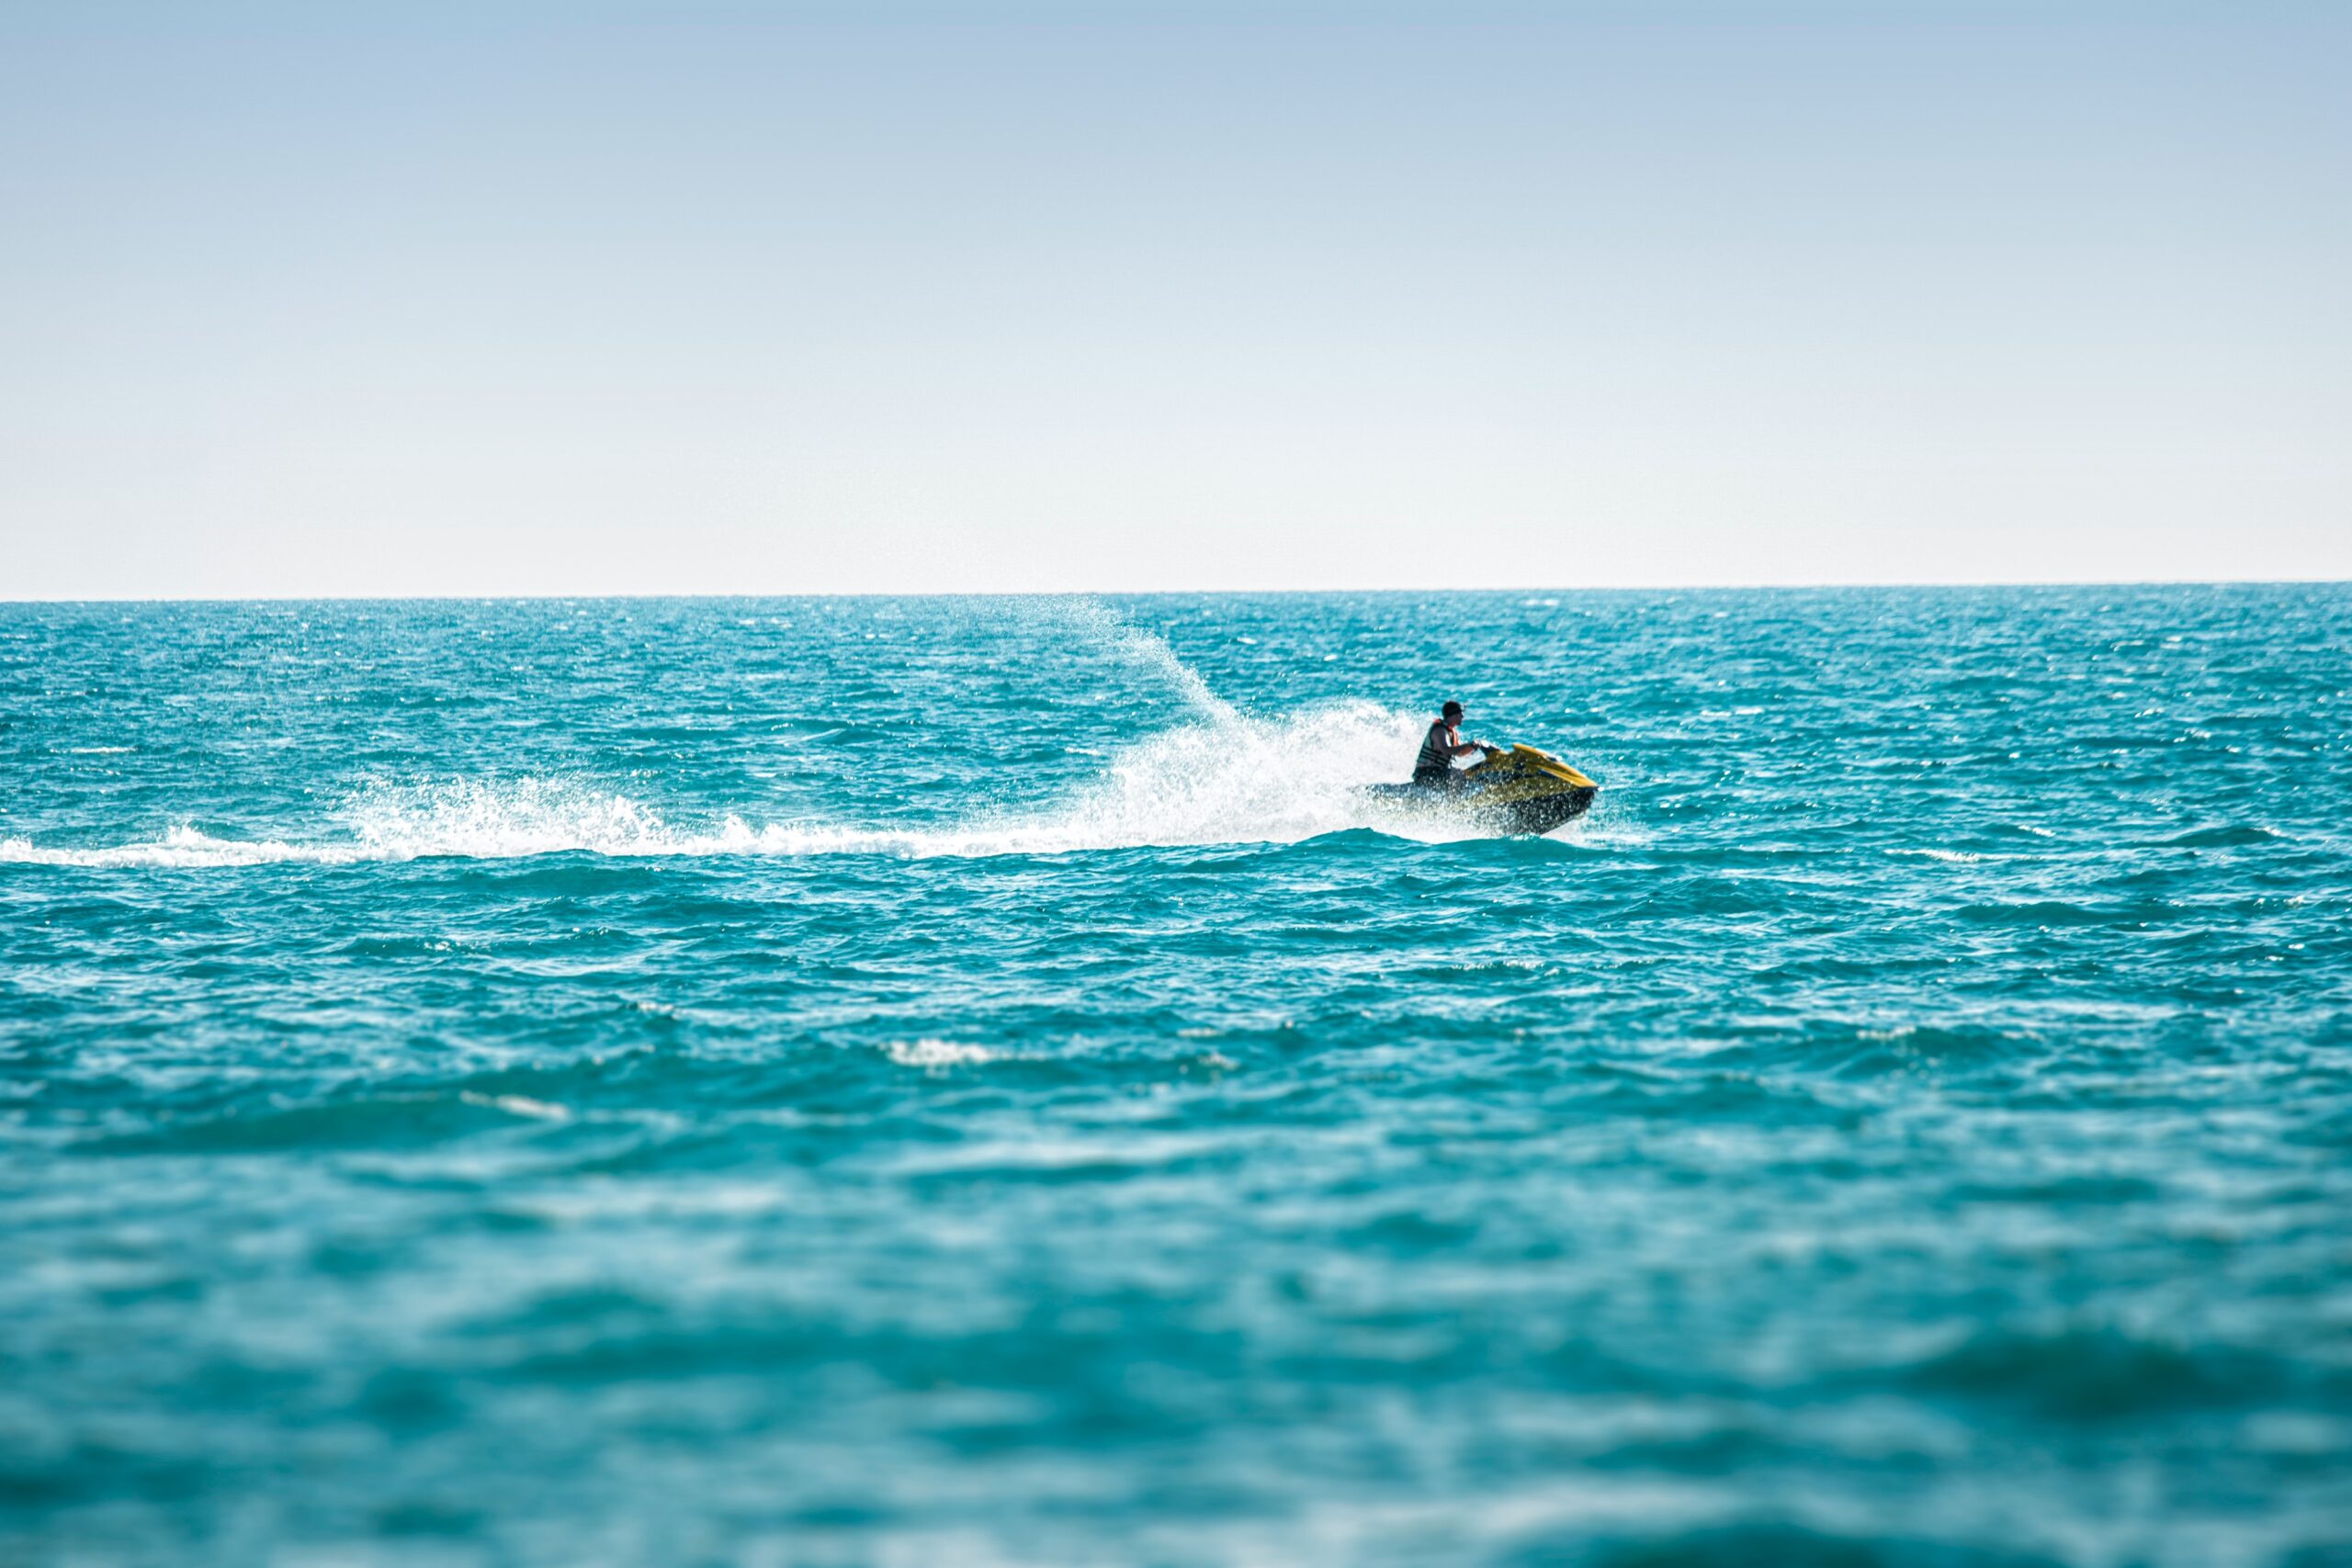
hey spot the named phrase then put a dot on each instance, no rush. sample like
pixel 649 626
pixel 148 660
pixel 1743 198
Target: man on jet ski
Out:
pixel 1434 767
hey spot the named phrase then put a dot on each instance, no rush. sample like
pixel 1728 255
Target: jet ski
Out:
pixel 1521 790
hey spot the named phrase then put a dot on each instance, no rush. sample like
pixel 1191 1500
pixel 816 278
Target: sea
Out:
pixel 843 1081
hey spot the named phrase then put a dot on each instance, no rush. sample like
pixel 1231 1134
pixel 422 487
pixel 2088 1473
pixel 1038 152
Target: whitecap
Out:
pixel 933 1054
pixel 518 1105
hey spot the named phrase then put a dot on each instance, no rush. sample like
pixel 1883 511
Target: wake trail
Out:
pixel 1231 779
pixel 1219 776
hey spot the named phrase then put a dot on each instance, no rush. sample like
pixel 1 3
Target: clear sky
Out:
pixel 473 298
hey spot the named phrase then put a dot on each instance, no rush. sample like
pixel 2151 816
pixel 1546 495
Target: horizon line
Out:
pixel 536 596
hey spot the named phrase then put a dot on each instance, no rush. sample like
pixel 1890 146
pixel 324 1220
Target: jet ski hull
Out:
pixel 1519 792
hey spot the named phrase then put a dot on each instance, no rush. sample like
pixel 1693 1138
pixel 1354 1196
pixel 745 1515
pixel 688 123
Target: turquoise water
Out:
pixel 919 1081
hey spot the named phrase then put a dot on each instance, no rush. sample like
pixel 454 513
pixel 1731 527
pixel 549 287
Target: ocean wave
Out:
pixel 1748 1545
pixel 2097 1374
pixel 2242 836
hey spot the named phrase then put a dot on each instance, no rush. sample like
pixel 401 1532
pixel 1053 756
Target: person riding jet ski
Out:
pixel 1433 769
pixel 1518 790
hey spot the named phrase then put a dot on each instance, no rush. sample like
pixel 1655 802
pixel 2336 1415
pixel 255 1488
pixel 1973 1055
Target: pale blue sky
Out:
pixel 541 299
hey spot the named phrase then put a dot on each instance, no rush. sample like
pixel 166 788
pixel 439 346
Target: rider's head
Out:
pixel 1453 713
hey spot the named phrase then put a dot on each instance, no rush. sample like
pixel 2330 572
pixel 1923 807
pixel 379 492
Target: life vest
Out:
pixel 1436 756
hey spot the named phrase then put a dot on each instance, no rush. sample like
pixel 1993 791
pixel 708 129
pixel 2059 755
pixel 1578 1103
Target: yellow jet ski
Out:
pixel 1521 790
